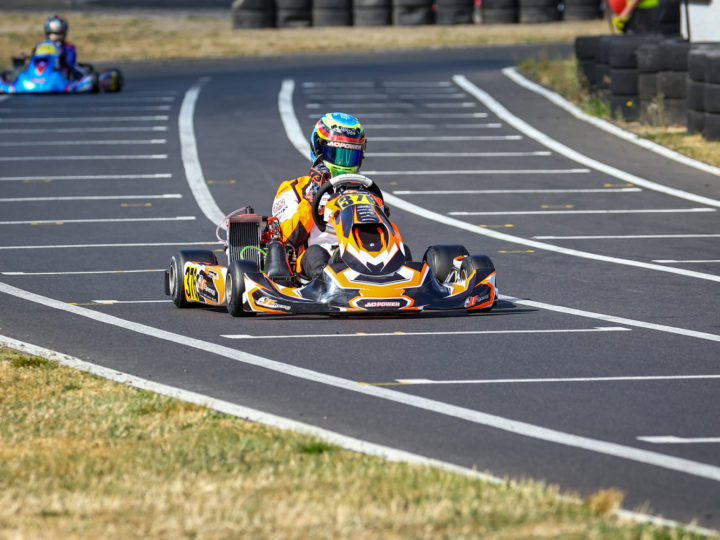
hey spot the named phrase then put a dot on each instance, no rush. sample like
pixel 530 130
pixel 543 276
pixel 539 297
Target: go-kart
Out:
pixel 370 270
pixel 43 75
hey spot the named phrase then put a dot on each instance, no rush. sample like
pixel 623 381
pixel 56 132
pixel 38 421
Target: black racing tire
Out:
pixel 293 18
pixel 252 18
pixel 672 84
pixel 711 126
pixel 622 53
pixel 581 12
pixel 331 17
pixel 696 64
pixel 585 47
pixel 648 57
pixel 695 121
pixel 372 4
pixel 711 103
pixel 252 5
pixel 304 5
pixel 647 85
pixel 176 276
pixel 695 93
pixel 500 15
pixel 450 12
pixel 372 16
pixel 674 55
pixel 712 66
pixel 623 82
pixel 440 259
pixel 235 286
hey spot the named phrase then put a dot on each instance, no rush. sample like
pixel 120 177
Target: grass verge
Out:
pixel 83 457
pixel 560 75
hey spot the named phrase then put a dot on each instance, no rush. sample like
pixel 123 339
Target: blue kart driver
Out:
pixel 337 146
pixel 56 29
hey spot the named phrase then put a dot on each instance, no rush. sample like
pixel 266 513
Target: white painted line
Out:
pixel 344 84
pixel 85 129
pixel 547 212
pixel 441 333
pixel 467 115
pixel 478 171
pixel 337 106
pixel 190 158
pixel 458 154
pixel 628 237
pixel 254 415
pixel 85 108
pixel 446 95
pixel 416 84
pixel 84 143
pixel 93 198
pixel 687 262
pixel 563 379
pixel 98 220
pixel 128 98
pixel 515 427
pixel 616 320
pixel 561 149
pixel 74 119
pixel 607 126
pixel 157 176
pixel 512 191
pixel 492 125
pixel 82 272
pixel 311 94
pixel 451 138
pixel 147 244
pixel 297 138
pixel 82 158
pixel 671 439
pixel 110 302
pixel 463 105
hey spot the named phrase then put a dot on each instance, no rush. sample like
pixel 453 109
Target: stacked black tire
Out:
pixel 293 13
pixel 703 92
pixel 332 12
pixel 372 12
pixel 500 11
pixel 252 14
pixel 581 10
pixel 412 12
pixel 453 12
pixel 539 11
pixel 662 82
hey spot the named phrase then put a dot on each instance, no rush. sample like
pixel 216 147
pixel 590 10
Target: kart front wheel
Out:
pixel 176 273
pixel 235 286
pixel 440 259
pixel 478 263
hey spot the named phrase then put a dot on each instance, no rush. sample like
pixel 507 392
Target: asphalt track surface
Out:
pixel 602 373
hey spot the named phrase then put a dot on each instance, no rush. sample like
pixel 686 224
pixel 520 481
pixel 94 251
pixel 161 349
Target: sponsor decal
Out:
pixel 475 300
pixel 382 303
pixel 279 206
pixel 352 199
pixel 206 287
pixel 264 301
pixel 338 144
pixel 191 280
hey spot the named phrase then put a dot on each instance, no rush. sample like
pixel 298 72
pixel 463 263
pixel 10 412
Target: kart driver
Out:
pixel 56 29
pixel 337 146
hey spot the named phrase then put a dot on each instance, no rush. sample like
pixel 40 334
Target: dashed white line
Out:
pixel 94 246
pixel 671 439
pixel 631 378
pixel 83 272
pixel 156 176
pixel 548 212
pixel 109 129
pixel 83 158
pixel 92 198
pixel 628 237
pixel 478 171
pixel 95 220
pixel 512 191
pixel 450 138
pixel 85 143
pixel 459 154
pixel 74 119
pixel 439 333
pixel 487 125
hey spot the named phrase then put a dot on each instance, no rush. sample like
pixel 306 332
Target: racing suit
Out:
pixel 293 209
pixel 68 60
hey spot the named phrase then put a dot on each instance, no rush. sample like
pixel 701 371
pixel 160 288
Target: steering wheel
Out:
pixel 335 184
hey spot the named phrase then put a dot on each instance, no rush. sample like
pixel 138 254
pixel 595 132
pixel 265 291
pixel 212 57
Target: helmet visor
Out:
pixel 343 154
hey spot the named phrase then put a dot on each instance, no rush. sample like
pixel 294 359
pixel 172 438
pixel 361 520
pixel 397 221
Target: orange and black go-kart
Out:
pixel 370 270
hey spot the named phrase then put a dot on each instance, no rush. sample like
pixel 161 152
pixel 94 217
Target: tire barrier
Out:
pixel 252 14
pixel 454 12
pixel 372 12
pixel 538 11
pixel 293 13
pixel 654 79
pixel 500 11
pixel 581 10
pixel 332 13
pixel 412 12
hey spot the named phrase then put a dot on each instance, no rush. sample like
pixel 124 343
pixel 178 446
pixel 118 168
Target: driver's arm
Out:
pixel 293 211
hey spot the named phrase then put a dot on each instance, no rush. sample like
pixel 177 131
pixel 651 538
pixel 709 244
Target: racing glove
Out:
pixel 620 23
pixel 319 174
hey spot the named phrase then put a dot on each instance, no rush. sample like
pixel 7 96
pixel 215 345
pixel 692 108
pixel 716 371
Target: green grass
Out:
pixel 81 457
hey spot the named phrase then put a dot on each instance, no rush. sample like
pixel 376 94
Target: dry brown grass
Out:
pixel 81 457
pixel 116 37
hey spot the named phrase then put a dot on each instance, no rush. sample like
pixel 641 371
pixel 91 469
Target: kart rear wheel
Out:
pixel 176 274
pixel 235 286
pixel 440 259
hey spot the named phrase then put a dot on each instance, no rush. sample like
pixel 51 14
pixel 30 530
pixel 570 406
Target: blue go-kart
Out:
pixel 43 74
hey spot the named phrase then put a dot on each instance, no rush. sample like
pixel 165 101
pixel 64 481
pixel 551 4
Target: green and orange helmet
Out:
pixel 340 139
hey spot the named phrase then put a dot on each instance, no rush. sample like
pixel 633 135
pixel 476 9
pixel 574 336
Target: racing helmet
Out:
pixel 340 139
pixel 56 25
